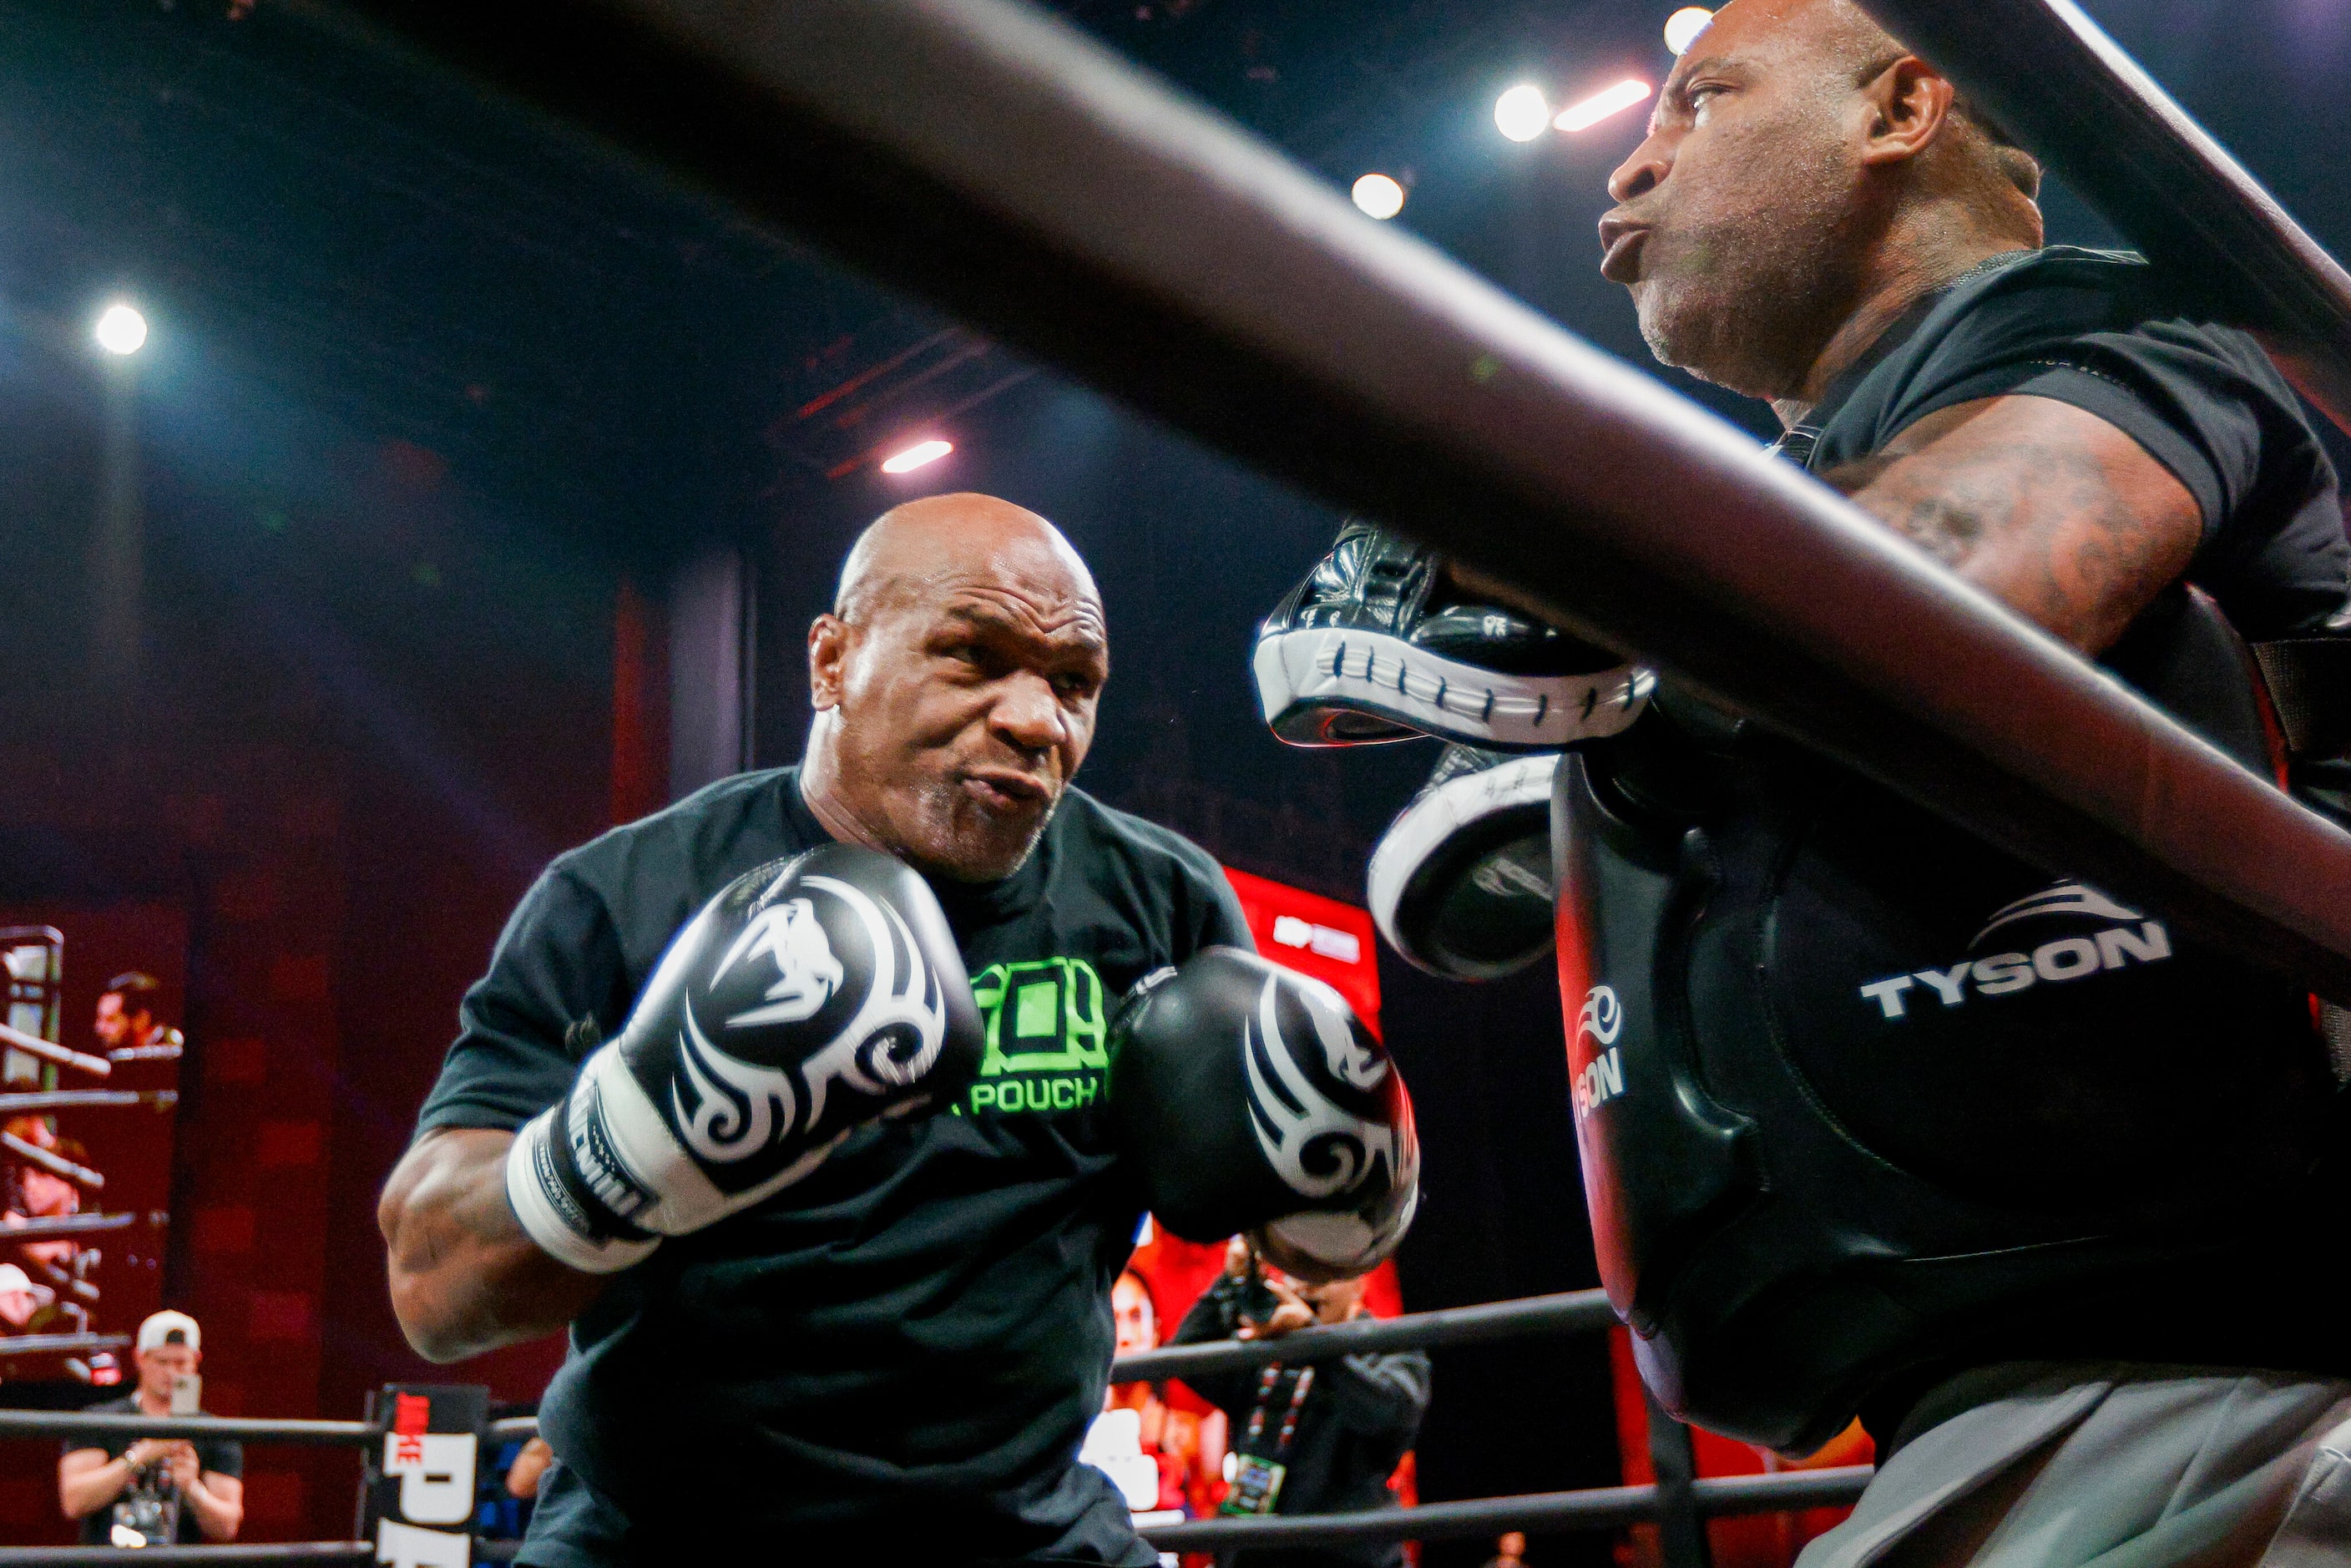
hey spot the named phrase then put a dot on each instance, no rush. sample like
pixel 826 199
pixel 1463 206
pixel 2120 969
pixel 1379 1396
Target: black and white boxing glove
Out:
pixel 811 996
pixel 1252 1099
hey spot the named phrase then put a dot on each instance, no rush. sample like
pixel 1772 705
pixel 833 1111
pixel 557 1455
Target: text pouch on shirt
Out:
pixel 1048 1026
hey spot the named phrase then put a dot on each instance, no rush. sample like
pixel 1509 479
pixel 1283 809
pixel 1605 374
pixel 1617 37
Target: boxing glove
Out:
pixel 1250 1098
pixel 811 996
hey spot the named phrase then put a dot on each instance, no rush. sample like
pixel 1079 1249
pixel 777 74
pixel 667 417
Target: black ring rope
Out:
pixel 1603 1508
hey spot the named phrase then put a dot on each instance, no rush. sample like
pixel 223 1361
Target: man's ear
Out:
pixel 828 646
pixel 1909 103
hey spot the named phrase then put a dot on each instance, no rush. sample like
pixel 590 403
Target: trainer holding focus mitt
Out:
pixel 823 1106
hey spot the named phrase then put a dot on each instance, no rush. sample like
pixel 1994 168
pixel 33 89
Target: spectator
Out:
pixel 1509 1552
pixel 156 1491
pixel 17 1302
pixel 1307 1439
pixel 34 1192
pixel 126 1017
pixel 1142 1445
pixel 530 1465
pixel 27 1308
pixel 508 1482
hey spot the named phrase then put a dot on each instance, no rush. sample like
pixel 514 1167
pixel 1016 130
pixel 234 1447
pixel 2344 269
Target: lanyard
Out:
pixel 1267 1381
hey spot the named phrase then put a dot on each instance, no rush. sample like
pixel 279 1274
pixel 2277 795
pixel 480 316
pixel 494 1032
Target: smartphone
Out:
pixel 1257 1300
pixel 187 1393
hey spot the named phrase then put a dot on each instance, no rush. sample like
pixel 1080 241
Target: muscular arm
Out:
pixel 219 1503
pixel 1210 1318
pixel 2048 509
pixel 87 1480
pixel 465 1277
pixel 1377 1393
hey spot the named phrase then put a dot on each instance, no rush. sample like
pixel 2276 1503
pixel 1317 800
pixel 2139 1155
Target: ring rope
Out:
pixel 1569 1311
pixel 1566 1313
pixel 1602 1508
pixel 241 1428
pixel 60 1343
pixel 86 1099
pixel 257 1552
pixel 44 1227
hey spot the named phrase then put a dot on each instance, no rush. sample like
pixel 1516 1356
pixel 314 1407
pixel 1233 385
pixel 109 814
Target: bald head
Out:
pixel 912 551
pixel 955 684
pixel 1852 51
pixel 1803 173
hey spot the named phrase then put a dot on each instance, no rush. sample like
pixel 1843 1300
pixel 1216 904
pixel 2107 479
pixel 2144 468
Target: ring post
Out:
pixel 416 1489
pixel 1673 1455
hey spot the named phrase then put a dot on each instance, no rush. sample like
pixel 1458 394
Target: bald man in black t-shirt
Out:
pixel 900 1350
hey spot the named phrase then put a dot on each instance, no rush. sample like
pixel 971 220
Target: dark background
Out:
pixel 480 486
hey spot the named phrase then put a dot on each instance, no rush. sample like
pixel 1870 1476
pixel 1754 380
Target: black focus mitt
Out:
pixel 1462 883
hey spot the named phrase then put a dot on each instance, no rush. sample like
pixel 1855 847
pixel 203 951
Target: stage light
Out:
pixel 1600 105
pixel 916 456
pixel 1522 114
pixel 1379 195
pixel 120 330
pixel 1683 25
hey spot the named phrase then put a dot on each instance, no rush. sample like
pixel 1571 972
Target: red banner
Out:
pixel 1314 935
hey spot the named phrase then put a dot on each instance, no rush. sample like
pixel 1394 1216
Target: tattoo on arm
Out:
pixel 2050 509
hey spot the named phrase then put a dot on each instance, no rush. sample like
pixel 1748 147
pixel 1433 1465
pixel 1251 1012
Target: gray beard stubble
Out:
pixel 1756 295
pixel 943 801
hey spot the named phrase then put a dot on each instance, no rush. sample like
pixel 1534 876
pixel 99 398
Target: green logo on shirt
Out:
pixel 1047 1036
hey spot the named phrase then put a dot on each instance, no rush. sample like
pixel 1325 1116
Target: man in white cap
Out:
pixel 18 1301
pixel 156 1491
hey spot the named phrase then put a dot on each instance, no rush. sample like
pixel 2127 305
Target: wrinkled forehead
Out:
pixel 1024 583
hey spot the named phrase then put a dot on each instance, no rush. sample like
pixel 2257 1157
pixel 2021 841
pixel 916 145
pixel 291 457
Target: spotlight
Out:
pixel 1600 105
pixel 120 330
pixel 1522 114
pixel 915 457
pixel 1683 25
pixel 1379 195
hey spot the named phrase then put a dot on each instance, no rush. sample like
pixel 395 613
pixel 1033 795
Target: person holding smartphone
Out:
pixel 155 1492
pixel 1319 1438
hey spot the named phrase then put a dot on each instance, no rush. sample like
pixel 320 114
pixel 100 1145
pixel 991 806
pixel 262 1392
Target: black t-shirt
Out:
pixel 153 1501
pixel 904 1348
pixel 2092 328
pixel 1357 1419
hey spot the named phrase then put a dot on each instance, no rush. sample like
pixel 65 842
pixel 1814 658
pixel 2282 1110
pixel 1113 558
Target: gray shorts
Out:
pixel 2110 1465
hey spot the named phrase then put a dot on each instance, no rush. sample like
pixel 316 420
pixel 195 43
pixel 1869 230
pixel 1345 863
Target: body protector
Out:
pixel 1857 1094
